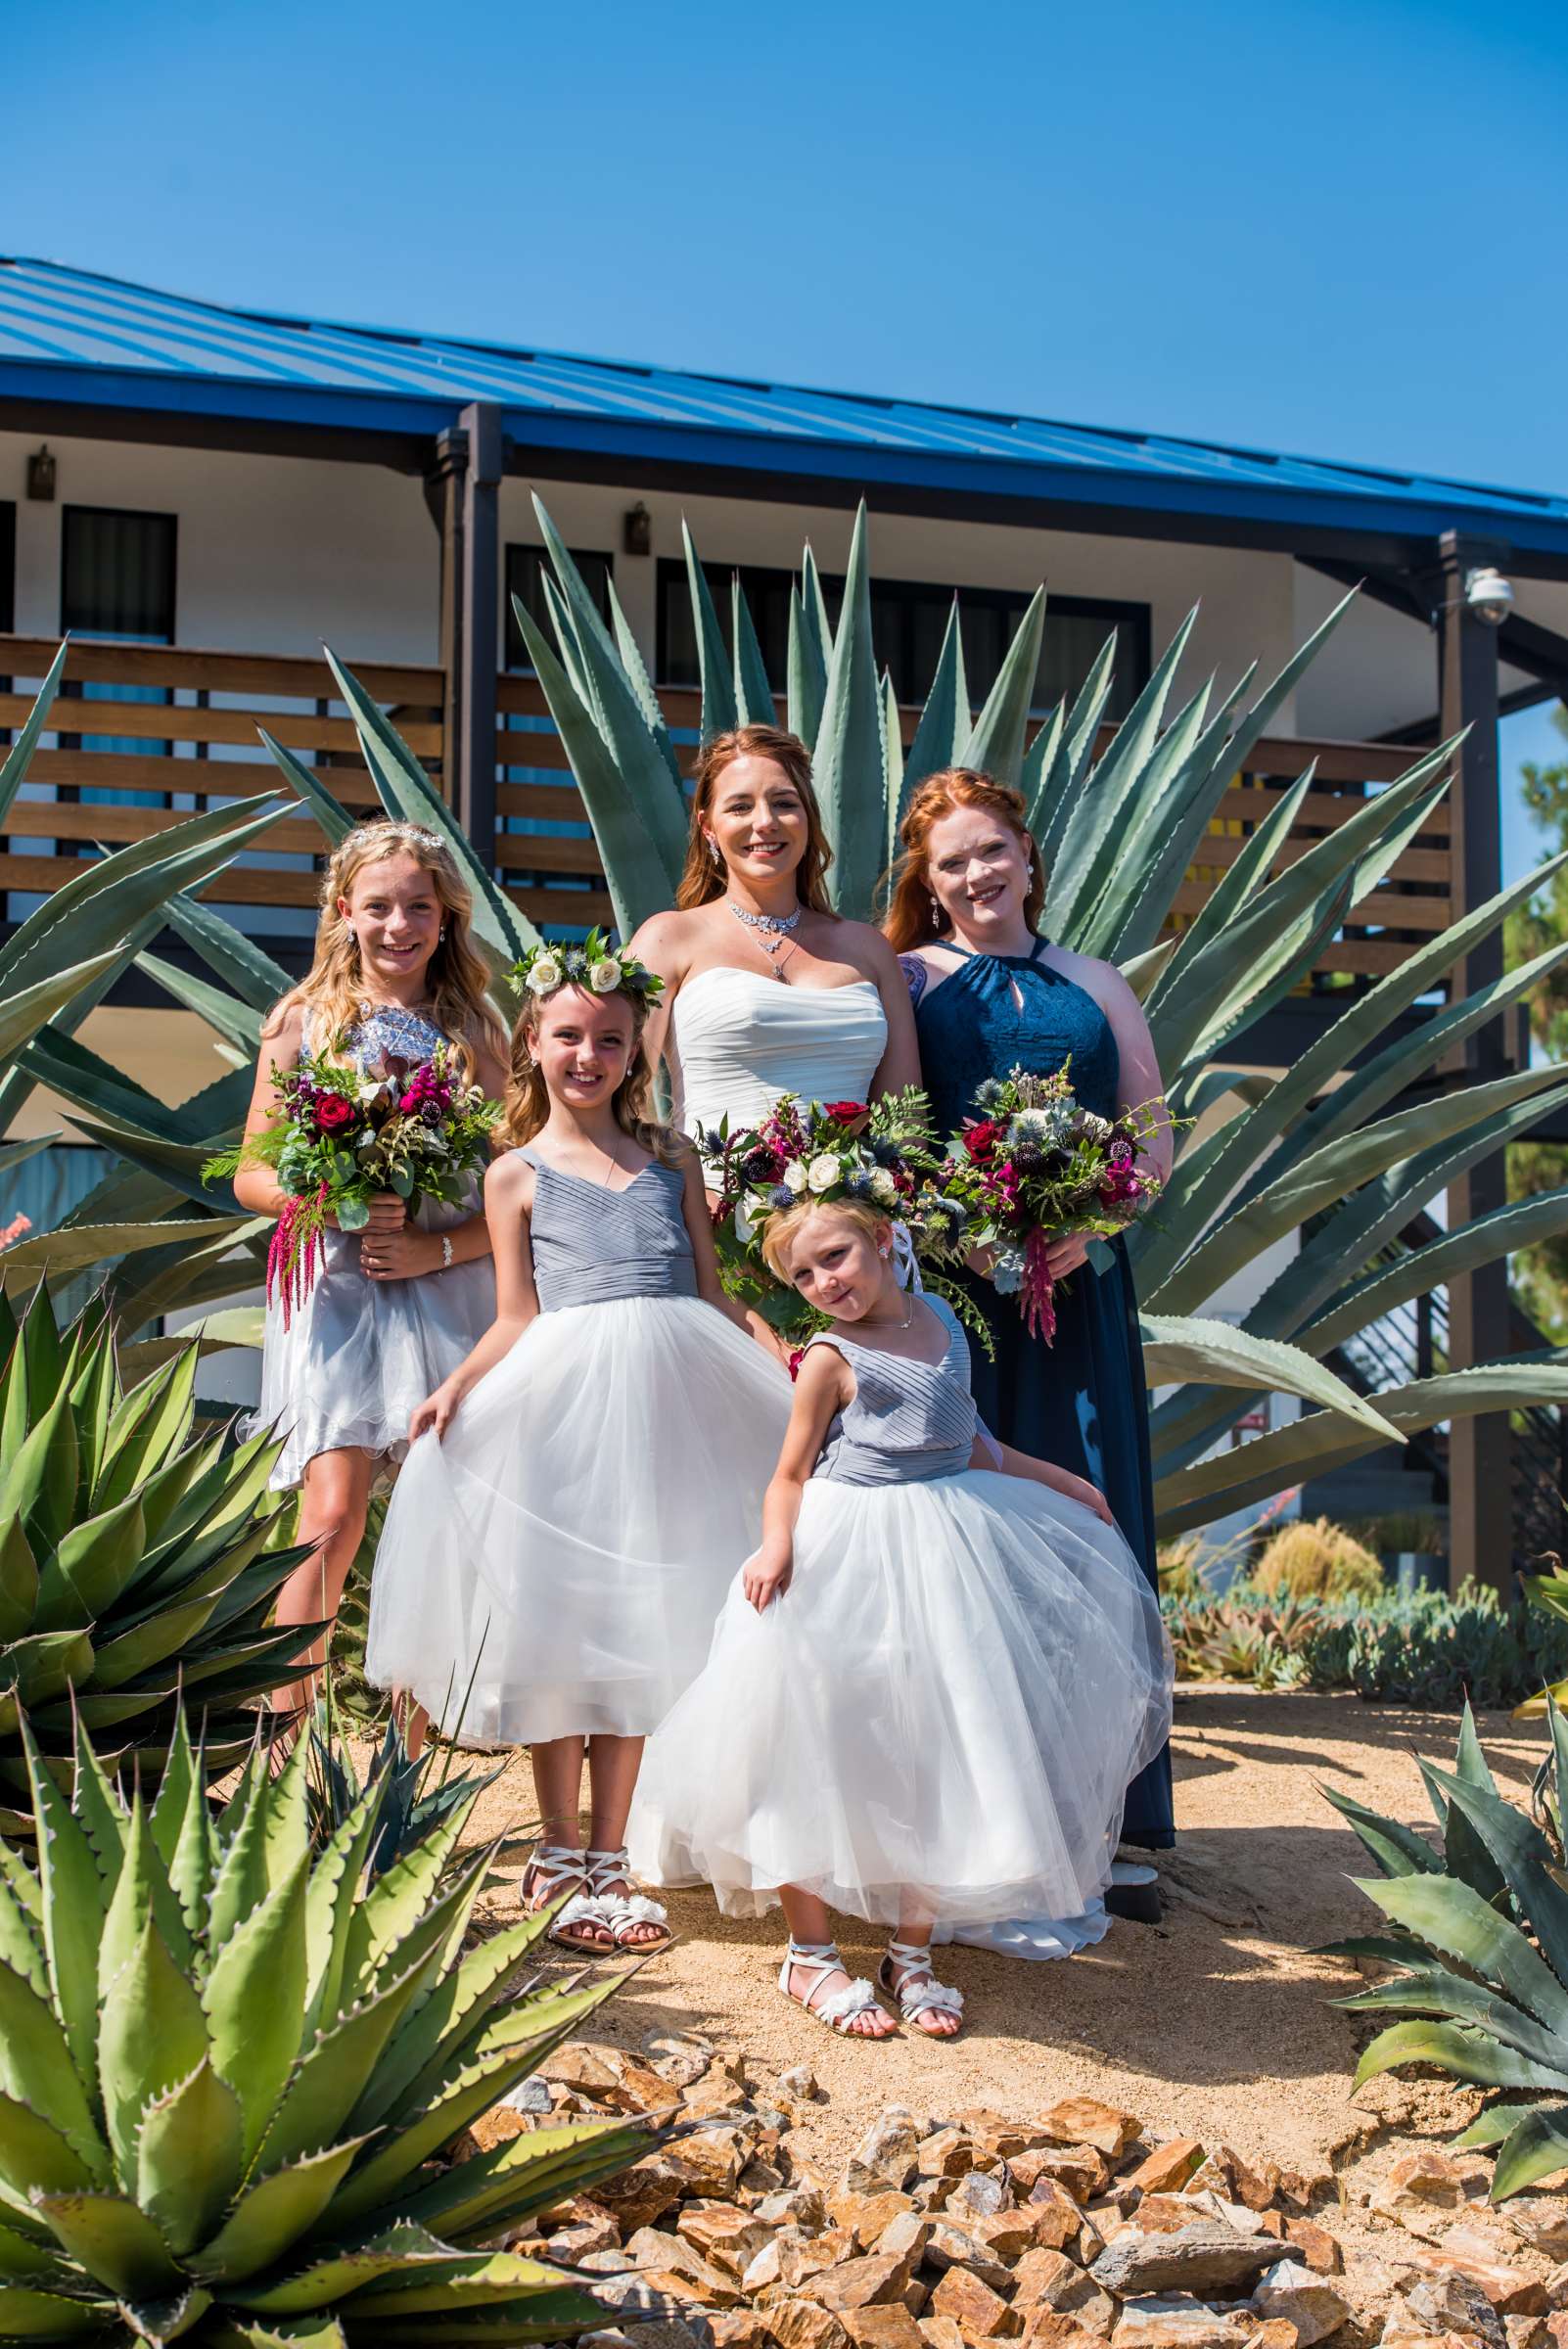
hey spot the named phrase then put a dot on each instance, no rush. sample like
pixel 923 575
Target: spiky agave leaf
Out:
pixel 131 1556
pixel 187 2083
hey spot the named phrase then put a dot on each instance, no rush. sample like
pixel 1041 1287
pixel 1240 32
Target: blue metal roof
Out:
pixel 74 335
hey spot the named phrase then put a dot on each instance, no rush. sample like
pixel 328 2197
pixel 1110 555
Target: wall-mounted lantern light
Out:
pixel 636 531
pixel 41 473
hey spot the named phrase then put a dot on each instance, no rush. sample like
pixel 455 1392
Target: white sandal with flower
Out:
pixel 905 1975
pixel 552 1869
pixel 821 1960
pixel 627 1914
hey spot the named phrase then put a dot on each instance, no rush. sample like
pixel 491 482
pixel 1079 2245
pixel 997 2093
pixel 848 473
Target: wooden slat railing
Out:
pixel 197 746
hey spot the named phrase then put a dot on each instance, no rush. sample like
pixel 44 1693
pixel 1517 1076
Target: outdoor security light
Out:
pixel 1489 595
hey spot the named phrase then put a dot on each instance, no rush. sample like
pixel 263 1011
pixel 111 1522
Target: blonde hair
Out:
pixel 527 1105
pixel 702 879
pixel 782 1228
pixel 334 986
pixel 914 916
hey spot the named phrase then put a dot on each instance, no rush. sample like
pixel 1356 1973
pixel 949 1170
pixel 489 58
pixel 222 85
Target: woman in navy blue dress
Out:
pixel 992 993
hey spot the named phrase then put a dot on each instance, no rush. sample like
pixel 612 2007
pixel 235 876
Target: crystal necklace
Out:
pixel 771 931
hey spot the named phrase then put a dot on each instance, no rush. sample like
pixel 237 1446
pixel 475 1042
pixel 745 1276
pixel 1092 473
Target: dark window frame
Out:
pixel 121 514
pixel 514 653
pixel 1134 619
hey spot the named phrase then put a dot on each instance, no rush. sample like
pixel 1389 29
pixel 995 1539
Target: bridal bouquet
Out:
pixel 885 1154
pixel 1036 1166
pixel 342 1133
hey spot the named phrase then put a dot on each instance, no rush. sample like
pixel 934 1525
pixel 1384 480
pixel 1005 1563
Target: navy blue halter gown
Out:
pixel 1081 1402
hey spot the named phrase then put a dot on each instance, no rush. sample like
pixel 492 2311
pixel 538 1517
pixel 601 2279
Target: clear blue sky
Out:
pixel 1334 228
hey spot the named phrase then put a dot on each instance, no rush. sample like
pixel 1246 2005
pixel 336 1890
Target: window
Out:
pixel 8 567
pixel 768 599
pixel 116 584
pixel 118 574
pixel 526 570
pixel 909 620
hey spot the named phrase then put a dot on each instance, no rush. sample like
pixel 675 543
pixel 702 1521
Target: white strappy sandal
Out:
pixel 821 1958
pixel 552 1867
pixel 621 1911
pixel 905 1975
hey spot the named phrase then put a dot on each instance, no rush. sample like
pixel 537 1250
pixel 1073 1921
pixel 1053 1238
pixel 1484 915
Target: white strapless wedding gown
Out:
pixel 741 1041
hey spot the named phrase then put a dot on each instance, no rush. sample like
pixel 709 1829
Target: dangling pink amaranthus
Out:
pixel 298 1250
pixel 1039 1290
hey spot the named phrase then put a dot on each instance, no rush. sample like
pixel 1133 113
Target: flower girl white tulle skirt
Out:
pixel 554 1566
pixel 944 1709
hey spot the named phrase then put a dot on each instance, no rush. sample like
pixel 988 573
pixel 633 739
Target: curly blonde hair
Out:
pixel 333 989
pixel 782 1228
pixel 527 1107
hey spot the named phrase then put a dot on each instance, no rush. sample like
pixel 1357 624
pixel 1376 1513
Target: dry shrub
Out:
pixel 1317 1560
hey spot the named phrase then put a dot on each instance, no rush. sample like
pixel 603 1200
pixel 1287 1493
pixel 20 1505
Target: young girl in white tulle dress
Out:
pixel 581 1488
pixel 393 1309
pixel 935 1676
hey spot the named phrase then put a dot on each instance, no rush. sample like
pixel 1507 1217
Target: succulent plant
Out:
pixel 1479 1938
pixel 230 2064
pixel 135 1556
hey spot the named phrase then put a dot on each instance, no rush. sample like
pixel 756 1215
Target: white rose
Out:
pixel 884 1188
pixel 795 1177
pixel 605 977
pixel 823 1172
pixel 545 975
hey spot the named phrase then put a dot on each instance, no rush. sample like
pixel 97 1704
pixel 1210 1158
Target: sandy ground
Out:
pixel 1216 2023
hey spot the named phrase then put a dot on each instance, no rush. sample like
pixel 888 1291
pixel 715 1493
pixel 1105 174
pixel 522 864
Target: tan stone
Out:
pixel 1167 2168
pixel 1170 2323
pixel 1038 2276
pixel 1429 2178
pixel 980 2195
pixel 1274 2332
pixel 886 2154
pixel 1556 2327
pixel 571 2245
pixel 1541 2220
pixel 947 2154
pixel 1050 2329
pixel 1301 2188
pixel 940 2333
pixel 995 2135
pixel 801 2203
pixel 1510 2291
pixel 635 2087
pixel 1081 2169
pixel 890 2328
pixel 1314 2245
pixel 488 2130
pixel 1314 2305
pixel 863 2282
pixel 952 2247
pixel 1055 2216
pixel 803 2324
pixel 708 2290
pixel 713 2097
pixel 1010 2233
pixel 636 2196
pixel 1086 2121
pixel 904 2237
pixel 708 2162
pixel 665 2256
pixel 866 2215
pixel 1223 2172
pixel 738 2328
pixel 577 2068
pixel 783 2265
pixel 980 2313
pixel 1208 2258
pixel 726 2235
pixel 1525 2333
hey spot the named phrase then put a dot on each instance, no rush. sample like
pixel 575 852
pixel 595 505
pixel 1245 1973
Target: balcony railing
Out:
pixel 146 734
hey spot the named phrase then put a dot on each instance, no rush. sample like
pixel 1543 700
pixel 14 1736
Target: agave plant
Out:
pixel 134 1557
pixel 1480 1941
pixel 411 1807
pixel 230 2066
pixel 1118 827
pixel 1548 1592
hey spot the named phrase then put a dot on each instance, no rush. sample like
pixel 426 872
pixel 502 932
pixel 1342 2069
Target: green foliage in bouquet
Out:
pixel 135 1556
pixel 231 2067
pixel 1478 1938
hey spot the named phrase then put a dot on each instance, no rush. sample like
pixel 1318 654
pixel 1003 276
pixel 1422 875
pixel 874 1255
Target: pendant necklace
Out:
pixel 773 932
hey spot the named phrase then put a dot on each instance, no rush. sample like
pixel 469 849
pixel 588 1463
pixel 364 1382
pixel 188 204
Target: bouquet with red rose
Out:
pixel 342 1133
pixel 882 1154
pixel 1036 1166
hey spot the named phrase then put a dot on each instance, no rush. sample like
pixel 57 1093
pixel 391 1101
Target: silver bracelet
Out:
pixel 446 1252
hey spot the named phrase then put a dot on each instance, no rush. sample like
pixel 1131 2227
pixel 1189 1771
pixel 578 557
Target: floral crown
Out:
pixel 594 965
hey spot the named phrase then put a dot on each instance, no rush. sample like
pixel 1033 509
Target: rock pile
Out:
pixel 1070 2230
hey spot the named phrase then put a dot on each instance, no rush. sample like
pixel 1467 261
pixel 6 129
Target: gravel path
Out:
pixel 1215 2024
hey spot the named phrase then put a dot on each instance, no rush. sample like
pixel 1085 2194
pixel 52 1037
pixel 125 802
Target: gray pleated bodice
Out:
pixel 908 1421
pixel 591 1244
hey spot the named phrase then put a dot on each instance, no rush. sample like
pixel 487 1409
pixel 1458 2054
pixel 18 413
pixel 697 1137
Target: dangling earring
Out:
pixel 713 850
pixel 936 915
pixel 440 935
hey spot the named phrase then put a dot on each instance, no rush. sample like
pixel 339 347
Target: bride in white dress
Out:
pixel 767 990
